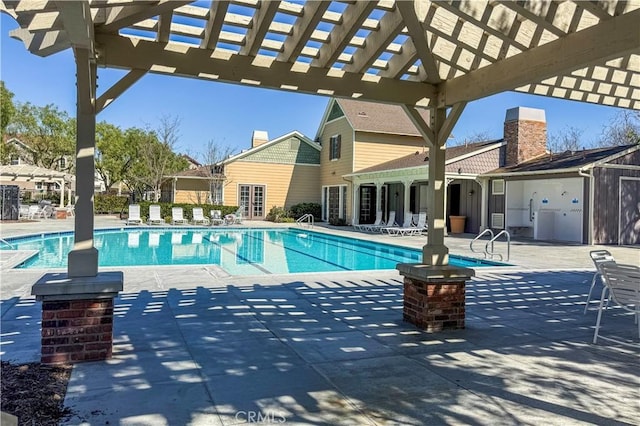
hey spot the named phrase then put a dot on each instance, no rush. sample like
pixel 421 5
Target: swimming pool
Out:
pixel 238 251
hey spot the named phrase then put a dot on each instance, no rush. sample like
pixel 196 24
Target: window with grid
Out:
pixel 334 147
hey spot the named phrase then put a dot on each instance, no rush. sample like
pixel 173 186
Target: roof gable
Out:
pixel 292 148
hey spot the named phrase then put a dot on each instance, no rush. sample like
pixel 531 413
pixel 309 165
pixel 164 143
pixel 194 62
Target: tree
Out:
pixel 566 140
pixel 156 156
pixel 48 132
pixel 623 129
pixel 476 136
pixel 213 170
pixel 7 108
pixel 116 153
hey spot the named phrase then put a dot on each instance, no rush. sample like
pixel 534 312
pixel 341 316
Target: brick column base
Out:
pixel 77 316
pixel 434 296
pixel 77 330
pixel 434 306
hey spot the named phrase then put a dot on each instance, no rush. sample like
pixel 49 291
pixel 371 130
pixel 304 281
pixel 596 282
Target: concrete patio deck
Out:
pixel 331 348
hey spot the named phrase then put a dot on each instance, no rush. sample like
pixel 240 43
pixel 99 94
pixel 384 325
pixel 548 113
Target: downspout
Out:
pixel 589 175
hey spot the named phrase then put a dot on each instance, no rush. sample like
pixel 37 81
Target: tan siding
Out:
pixel 373 148
pixel 286 184
pixel 332 171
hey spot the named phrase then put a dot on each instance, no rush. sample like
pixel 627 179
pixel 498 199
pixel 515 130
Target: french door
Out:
pixel 252 198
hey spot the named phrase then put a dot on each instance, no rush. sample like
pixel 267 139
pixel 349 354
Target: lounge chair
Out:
pixel 622 283
pixel 408 223
pixel 366 226
pixel 154 215
pixel 390 223
pixel 599 257
pixel 134 215
pixel 417 229
pixel 198 217
pixel 177 216
pixel 239 214
pixel 216 217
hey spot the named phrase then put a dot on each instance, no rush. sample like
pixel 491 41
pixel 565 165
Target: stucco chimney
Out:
pixel 258 138
pixel 525 131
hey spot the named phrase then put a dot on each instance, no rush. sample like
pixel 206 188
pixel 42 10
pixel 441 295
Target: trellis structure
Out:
pixel 419 54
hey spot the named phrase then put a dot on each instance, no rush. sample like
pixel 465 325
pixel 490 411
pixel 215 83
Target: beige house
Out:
pixel 281 172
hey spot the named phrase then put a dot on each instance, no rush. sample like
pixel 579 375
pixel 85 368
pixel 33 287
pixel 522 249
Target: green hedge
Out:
pixel 299 210
pixel 110 204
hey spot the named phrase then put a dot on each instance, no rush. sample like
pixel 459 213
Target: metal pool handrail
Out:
pixel 7 243
pixel 486 231
pixel 308 218
pixel 491 253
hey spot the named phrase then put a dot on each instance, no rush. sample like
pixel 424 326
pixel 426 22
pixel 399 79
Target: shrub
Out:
pixel 110 204
pixel 278 215
pixel 299 210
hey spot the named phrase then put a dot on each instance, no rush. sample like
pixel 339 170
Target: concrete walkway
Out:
pixel 331 348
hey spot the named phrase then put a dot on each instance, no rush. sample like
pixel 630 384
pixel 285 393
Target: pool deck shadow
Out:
pixel 331 348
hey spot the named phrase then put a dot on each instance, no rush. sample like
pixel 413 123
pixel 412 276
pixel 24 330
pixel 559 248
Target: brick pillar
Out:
pixel 434 296
pixel 77 316
pixel 77 330
pixel 434 306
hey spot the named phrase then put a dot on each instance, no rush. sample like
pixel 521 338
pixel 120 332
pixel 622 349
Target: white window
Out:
pixel 15 160
pixel 39 186
pixel 497 187
pixel 62 163
pixel 216 193
pixel 497 220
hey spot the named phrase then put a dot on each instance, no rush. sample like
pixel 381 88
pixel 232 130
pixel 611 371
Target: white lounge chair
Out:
pixel 239 214
pixel 154 215
pixel 408 223
pixel 134 215
pixel 622 283
pixel 177 216
pixel 198 217
pixel 370 226
pixel 599 257
pixel 391 222
pixel 216 217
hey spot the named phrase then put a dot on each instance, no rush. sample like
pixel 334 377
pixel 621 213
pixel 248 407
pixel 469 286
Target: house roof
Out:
pixel 568 160
pixel 421 158
pixel 379 118
pixel 198 172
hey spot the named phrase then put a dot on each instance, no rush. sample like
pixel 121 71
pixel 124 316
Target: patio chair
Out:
pixel 35 212
pixel 599 257
pixel 622 282
pixel 154 215
pixel 198 217
pixel 412 229
pixel 23 211
pixel 177 216
pixel 134 215
pixel 239 215
pixel 407 224
pixel 365 226
pixel 216 217
pixel 391 223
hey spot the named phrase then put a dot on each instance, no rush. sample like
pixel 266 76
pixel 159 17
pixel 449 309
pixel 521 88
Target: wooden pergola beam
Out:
pixel 217 12
pixel 124 16
pixel 303 28
pixel 123 52
pixel 260 26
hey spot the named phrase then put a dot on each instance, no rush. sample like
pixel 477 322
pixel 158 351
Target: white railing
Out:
pixel 490 252
pixel 486 231
pixel 306 218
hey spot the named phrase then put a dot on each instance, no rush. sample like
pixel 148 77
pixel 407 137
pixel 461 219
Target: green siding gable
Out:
pixel 288 151
pixel 336 112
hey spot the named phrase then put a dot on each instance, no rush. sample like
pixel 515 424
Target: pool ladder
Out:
pixel 306 218
pixel 489 251
pixel 3 241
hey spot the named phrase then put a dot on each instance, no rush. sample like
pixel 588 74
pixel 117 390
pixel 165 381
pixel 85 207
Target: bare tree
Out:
pixel 623 129
pixel 476 136
pixel 568 139
pixel 213 158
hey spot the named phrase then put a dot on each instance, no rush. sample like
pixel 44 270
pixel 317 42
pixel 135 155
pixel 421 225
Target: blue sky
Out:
pixel 227 114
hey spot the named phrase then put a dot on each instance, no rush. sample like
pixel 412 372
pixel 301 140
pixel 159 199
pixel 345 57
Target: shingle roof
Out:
pixel 379 118
pixel 563 160
pixel 199 172
pixel 422 158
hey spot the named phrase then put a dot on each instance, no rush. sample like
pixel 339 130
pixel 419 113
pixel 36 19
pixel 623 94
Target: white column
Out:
pixel 378 197
pixel 83 259
pixel 355 216
pixel 484 200
pixel 407 198
pixel 62 192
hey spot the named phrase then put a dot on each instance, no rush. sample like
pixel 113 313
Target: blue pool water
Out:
pixel 237 251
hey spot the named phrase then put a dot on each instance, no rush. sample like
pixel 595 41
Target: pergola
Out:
pixel 419 54
pixel 29 173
